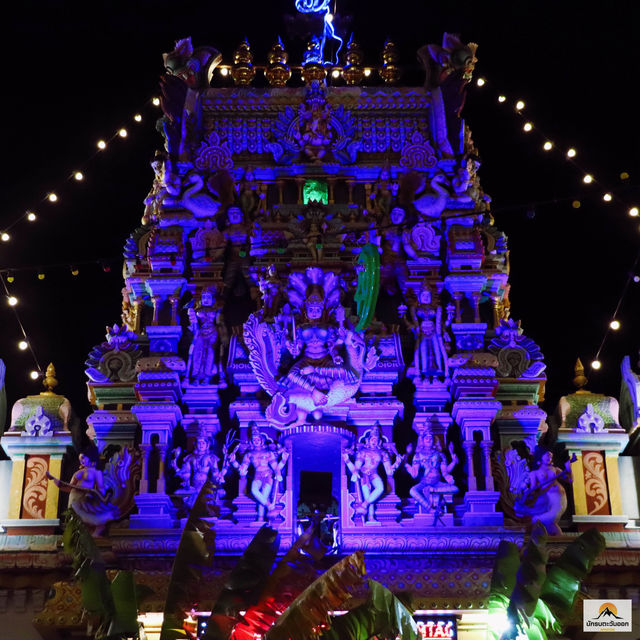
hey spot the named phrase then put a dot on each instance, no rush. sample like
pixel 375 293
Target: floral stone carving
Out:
pixel 518 356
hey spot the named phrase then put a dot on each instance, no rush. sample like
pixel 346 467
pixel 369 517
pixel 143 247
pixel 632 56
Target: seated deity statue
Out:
pixel 543 497
pixel 203 365
pixel 363 461
pixel 267 460
pixel 429 465
pixel 329 358
pixel 99 498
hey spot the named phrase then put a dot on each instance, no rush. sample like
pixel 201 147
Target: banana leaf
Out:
pixel 194 554
pixel 245 583
pixel 124 622
pixel 530 577
pixel 564 578
pixel 296 570
pixel 382 616
pixel 503 578
pixel 309 612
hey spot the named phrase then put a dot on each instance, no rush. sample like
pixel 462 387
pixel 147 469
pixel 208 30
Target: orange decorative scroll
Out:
pixel 595 484
pixel 34 494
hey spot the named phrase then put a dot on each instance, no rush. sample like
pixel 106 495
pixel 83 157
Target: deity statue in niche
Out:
pixel 363 461
pixel 429 465
pixel 270 287
pixel 314 125
pixel 539 494
pixel 204 365
pixel 97 497
pixel 267 459
pixel 208 243
pixel 199 466
pixel 329 357
pixel 384 191
pixel 393 270
pixel 425 321
pixel 250 194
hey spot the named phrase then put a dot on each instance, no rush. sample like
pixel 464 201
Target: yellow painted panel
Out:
pixel 17 480
pixel 613 480
pixel 51 508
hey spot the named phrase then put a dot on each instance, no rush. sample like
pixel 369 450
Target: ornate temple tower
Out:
pixel 316 317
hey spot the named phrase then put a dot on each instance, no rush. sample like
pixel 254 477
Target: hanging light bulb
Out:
pixel 224 71
pixel 571 153
pixel 122 133
pixel 155 102
pixel 481 82
pixel 634 211
pixel 528 126
pixel 79 176
pixel 31 217
pixel 5 237
pixel 34 375
pixel 502 99
pixel 367 72
pixel 41 276
pixel 10 277
pixel 12 300
pixel 102 145
pixel 52 197
pixel 335 73
pixel 137 117
pixel 23 345
pixel 588 178
pixel 576 204
pixel 607 197
pixel 519 105
pixel 614 325
pixel 548 145
pixel 596 364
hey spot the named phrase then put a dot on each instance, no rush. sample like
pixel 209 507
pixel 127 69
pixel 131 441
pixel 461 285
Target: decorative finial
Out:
pixel 390 71
pixel 278 71
pixel 312 67
pixel 243 70
pixel 353 71
pixel 579 380
pixel 50 382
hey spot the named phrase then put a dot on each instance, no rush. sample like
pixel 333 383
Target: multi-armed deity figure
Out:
pixel 204 365
pixel 267 459
pixel 199 466
pixel 429 465
pixel 329 358
pixel 363 461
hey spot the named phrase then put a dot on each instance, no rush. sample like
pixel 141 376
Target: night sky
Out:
pixel 77 72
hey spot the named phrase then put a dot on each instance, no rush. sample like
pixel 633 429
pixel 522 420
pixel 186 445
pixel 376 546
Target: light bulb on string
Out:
pixel 137 117
pixel 587 179
pixel 624 176
pixel 34 375
pixel 571 153
pixel 367 72
pixel 41 276
pixel 576 204
pixel 23 345
pixel 155 102
pixel 102 145
pixel 10 276
pixel 12 300
pixel 74 270
pixel 614 325
pixel 634 211
pixel 596 364
pixel 519 105
pixel 78 175
pixel 224 71
pixel 502 99
pixel 481 82
pixel 548 145
pixel 528 126
pixel 636 279
pixel 5 237
pixel 335 73
pixel 607 197
pixel 52 197
pixel 31 217
pixel 122 133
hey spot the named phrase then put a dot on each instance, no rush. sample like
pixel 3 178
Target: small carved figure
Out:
pixel 384 191
pixel 38 424
pixel 250 194
pixel 194 198
pixel 203 365
pixel 267 459
pixel 363 461
pixel 314 131
pixel 99 498
pixel 270 287
pixel 436 480
pixel 208 243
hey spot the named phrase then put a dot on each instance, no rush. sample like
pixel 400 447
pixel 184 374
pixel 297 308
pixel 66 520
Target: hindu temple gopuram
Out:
pixel 315 319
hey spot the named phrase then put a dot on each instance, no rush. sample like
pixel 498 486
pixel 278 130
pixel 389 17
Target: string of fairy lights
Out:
pixel 588 179
pixel 31 215
pixel 570 154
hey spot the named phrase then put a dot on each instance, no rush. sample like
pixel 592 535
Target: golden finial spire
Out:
pixel 278 71
pixel 243 70
pixel 390 71
pixel 353 72
pixel 50 382
pixel 579 379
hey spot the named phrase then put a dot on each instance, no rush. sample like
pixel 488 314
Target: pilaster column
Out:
pixel 471 476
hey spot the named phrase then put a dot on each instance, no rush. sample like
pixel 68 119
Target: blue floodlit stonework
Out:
pixel 316 316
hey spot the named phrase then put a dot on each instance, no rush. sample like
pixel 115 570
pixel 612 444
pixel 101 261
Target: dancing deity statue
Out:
pixel 429 465
pixel 267 459
pixel 204 365
pixel 329 358
pixel 363 461
pixel 97 497
pixel 199 466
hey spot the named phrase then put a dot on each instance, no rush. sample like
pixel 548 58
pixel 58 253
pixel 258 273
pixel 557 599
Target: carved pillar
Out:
pixel 457 297
pixel 469 446
pixel 475 301
pixel 488 476
pixel 144 479
pixel 157 301
pixel 331 181
pixel 138 303
pixel 174 309
pixel 350 184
